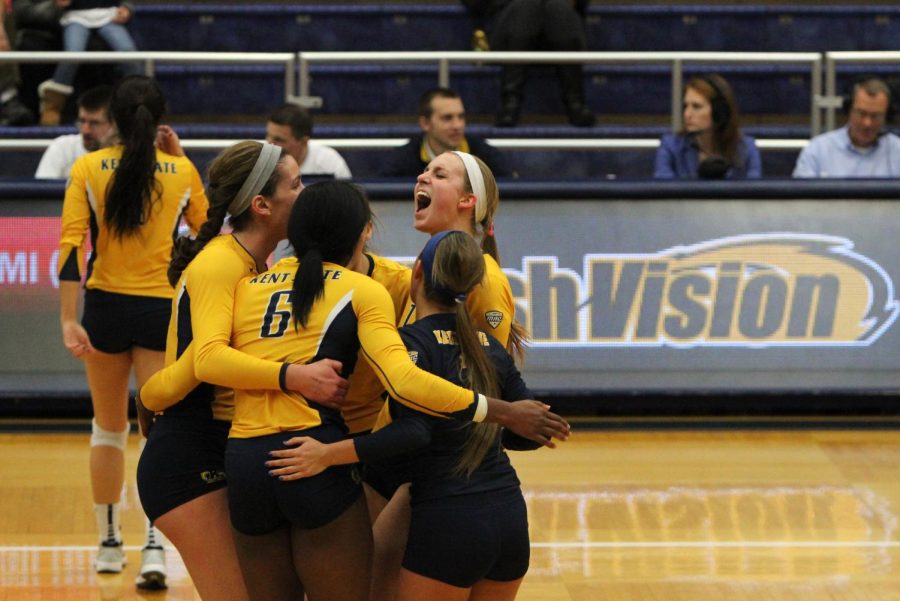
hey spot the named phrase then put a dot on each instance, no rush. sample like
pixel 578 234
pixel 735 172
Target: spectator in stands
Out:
pixel 527 25
pixel 442 119
pixel 38 30
pixel 863 147
pixel 94 131
pixel 12 111
pixel 80 17
pixel 710 144
pixel 291 128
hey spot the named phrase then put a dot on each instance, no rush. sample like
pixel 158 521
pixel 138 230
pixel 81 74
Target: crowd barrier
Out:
pixel 627 288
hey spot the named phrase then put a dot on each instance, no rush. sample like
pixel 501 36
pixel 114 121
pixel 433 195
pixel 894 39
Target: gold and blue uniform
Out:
pixel 127 292
pixel 490 304
pixel 134 264
pixel 185 452
pixel 354 314
pixel 480 518
pixel 365 396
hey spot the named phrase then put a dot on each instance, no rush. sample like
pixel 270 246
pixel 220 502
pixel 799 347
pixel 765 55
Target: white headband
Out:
pixel 476 179
pixel 259 175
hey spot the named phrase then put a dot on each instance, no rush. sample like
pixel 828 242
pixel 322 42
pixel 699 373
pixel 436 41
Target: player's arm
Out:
pixel 307 456
pixel 198 205
pixel 429 394
pixel 215 362
pixel 75 220
pixel 513 388
pixel 171 384
pixel 490 300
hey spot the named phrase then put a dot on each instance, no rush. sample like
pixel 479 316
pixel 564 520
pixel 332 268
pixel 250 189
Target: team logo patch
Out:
pixel 414 356
pixel 494 318
pixel 212 476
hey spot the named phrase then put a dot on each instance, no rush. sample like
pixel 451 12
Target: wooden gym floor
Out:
pixel 645 513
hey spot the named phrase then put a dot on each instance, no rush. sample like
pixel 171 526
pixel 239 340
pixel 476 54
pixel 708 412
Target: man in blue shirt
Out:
pixel 862 148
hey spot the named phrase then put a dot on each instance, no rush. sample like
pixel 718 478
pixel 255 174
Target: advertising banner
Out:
pixel 628 295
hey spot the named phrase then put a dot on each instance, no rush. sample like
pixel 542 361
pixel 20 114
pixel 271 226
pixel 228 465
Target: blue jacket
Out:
pixel 677 158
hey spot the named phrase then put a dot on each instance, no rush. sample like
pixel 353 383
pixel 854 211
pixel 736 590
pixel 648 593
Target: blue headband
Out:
pixel 427 259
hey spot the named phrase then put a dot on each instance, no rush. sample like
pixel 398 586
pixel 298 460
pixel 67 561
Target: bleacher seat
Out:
pixel 211 91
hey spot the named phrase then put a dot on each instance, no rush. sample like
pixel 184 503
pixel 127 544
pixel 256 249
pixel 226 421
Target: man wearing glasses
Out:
pixel 94 129
pixel 863 147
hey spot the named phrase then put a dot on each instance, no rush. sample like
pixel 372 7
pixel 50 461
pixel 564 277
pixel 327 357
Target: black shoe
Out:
pixel 13 112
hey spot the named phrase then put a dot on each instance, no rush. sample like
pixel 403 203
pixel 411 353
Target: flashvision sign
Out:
pixel 758 290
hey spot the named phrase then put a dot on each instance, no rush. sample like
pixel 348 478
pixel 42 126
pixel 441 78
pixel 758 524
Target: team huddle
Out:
pixel 332 426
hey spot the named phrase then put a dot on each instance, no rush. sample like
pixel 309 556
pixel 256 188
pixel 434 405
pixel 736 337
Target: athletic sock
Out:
pixel 108 524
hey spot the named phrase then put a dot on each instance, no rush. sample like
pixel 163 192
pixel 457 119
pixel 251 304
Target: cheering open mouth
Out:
pixel 423 200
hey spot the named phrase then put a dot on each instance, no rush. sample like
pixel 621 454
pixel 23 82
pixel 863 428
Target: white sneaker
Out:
pixel 110 558
pixel 153 569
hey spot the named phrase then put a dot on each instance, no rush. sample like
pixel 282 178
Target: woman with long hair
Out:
pixel 710 144
pixel 461 477
pixel 130 198
pixel 181 472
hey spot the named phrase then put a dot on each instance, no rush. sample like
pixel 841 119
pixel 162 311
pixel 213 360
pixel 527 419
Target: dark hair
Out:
pixel 325 225
pixel 872 86
pixel 295 117
pixel 457 267
pixel 136 106
pixel 226 175
pixel 95 99
pixel 726 135
pixel 425 108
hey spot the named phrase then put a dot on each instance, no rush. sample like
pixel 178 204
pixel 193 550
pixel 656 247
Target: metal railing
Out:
pixel 297 81
pixel 564 144
pixel 675 60
pixel 151 58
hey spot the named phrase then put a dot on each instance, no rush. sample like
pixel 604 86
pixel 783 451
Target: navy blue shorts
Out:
pixel 117 322
pixel 260 503
pixel 184 459
pixel 462 540
pixel 386 476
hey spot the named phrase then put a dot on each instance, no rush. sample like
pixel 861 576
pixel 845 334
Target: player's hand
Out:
pixel 144 415
pixel 76 339
pixel 167 141
pixel 320 382
pixel 4 40
pixel 534 420
pixel 305 458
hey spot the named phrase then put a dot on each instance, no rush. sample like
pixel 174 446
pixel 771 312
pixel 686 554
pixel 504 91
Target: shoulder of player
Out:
pixel 222 257
pixel 389 271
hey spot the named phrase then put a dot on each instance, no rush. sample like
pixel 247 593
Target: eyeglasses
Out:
pixel 91 123
pixel 875 117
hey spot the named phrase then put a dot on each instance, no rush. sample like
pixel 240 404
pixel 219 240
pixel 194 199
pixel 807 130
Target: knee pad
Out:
pixel 105 438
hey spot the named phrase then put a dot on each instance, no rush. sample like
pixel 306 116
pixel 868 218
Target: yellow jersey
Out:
pixel 134 264
pixel 354 313
pixel 366 394
pixel 201 309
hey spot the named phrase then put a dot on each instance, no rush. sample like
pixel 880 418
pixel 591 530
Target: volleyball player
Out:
pixel 181 476
pixel 469 530
pixel 130 197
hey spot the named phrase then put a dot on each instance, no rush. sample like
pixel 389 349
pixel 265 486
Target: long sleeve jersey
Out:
pixel 354 313
pixel 136 263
